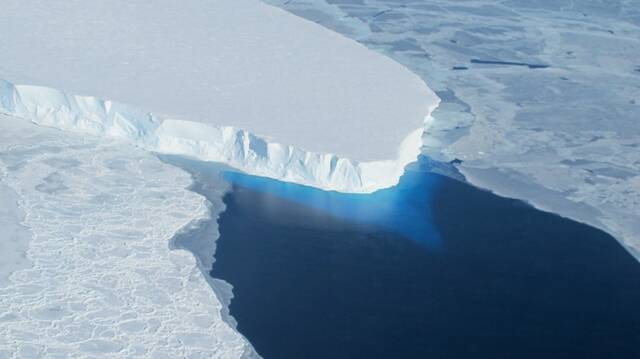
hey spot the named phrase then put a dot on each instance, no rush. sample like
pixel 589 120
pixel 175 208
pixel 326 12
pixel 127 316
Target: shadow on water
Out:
pixel 327 275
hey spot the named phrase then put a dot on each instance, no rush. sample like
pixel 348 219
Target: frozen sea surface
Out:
pixel 102 280
pixel 540 99
pixel 14 237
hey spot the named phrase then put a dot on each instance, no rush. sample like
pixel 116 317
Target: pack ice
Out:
pixel 100 279
pixel 237 81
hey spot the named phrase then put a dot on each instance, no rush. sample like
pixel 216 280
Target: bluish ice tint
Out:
pixel 404 209
pixel 508 281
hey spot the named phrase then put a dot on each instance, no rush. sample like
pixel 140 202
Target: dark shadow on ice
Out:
pixel 509 63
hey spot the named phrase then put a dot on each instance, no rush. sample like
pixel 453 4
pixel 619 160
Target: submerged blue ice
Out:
pixel 404 209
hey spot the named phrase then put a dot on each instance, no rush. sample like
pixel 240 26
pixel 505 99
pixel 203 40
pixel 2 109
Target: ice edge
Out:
pixel 236 147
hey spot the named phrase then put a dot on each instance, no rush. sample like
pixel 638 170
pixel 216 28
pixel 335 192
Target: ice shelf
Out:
pixel 234 81
pixel 540 99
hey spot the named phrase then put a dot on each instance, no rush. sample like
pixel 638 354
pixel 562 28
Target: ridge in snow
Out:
pixel 233 146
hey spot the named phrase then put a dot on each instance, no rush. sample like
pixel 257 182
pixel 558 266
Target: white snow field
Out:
pixel 102 281
pixel 14 237
pixel 239 82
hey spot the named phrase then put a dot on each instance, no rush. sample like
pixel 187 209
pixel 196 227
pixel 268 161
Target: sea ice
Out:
pixel 103 281
pixel 14 237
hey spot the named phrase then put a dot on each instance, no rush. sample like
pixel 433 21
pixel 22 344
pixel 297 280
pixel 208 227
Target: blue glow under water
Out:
pixel 404 209
pixel 433 268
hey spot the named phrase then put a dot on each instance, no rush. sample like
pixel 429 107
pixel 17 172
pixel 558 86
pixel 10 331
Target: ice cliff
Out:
pixel 233 146
pixel 305 104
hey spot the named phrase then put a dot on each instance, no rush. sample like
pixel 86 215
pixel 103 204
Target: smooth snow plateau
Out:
pixel 307 105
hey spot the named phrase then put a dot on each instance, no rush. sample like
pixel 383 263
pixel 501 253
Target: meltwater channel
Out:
pixel 432 268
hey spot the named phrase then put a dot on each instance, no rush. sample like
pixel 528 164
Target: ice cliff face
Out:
pixel 233 146
pixel 218 62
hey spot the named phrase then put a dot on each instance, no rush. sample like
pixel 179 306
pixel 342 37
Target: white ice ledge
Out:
pixel 227 144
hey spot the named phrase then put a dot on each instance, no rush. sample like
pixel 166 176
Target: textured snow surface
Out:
pixel 14 237
pixel 103 280
pixel 238 63
pixel 540 99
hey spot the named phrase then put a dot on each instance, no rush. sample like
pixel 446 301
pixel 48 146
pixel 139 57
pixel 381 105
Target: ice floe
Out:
pixel 103 281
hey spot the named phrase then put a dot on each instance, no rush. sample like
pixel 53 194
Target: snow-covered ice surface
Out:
pixel 540 98
pixel 326 111
pixel 103 281
pixel 14 237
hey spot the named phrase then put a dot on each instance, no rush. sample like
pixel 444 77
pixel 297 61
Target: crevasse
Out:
pixel 227 144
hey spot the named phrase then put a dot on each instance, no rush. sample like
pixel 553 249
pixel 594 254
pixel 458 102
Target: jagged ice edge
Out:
pixel 236 147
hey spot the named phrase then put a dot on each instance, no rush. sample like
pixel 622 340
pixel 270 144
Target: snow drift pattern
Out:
pixel 233 146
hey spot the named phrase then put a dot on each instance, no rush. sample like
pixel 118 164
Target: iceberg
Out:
pixel 239 82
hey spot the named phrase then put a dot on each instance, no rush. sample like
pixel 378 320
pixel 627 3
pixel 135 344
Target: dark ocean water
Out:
pixel 432 268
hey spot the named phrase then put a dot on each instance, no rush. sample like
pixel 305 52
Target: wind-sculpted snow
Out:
pixel 230 145
pixel 103 280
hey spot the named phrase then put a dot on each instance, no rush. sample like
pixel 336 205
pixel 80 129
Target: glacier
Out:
pixel 240 82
